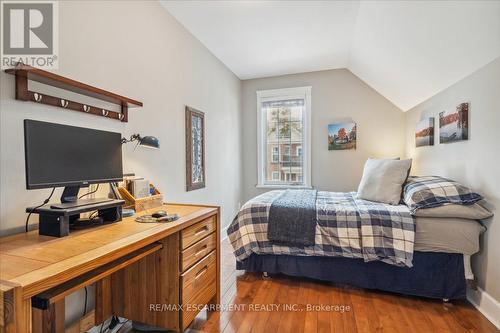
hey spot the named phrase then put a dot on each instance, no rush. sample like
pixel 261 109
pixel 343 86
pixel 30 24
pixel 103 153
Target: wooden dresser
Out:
pixel 161 274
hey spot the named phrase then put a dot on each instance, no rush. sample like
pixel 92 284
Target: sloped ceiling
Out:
pixel 406 50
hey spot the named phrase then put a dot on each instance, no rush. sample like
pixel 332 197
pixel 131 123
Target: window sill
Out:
pixel 283 186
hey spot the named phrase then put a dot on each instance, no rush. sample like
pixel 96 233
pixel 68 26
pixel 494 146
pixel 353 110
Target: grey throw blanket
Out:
pixel 292 218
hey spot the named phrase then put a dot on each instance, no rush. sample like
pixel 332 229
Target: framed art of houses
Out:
pixel 342 136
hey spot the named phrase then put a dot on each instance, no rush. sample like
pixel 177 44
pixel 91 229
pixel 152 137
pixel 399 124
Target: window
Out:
pixel 276 155
pixel 299 151
pixel 286 154
pixel 284 137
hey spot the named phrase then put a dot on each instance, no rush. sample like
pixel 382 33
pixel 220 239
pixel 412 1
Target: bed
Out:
pixel 364 244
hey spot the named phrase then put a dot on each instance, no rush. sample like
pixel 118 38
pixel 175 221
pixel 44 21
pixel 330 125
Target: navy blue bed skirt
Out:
pixel 433 275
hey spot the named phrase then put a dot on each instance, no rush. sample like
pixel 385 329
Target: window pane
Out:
pixel 272 115
pixel 272 153
pixel 296 127
pixel 296 114
pixel 284 131
pixel 283 141
pixel 285 155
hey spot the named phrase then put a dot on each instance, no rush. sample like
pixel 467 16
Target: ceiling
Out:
pixel 406 50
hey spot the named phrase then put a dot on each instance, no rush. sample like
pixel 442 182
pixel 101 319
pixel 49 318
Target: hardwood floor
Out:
pixel 369 311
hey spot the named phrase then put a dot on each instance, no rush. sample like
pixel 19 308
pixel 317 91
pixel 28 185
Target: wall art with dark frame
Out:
pixel 195 149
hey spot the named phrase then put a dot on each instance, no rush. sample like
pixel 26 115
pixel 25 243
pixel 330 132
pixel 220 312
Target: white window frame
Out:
pixel 283 94
pixel 275 173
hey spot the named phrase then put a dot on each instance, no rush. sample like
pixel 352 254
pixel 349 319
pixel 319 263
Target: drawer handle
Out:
pixel 201 250
pixel 201 272
pixel 201 230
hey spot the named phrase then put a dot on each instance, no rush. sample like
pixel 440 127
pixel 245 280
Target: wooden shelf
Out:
pixel 24 73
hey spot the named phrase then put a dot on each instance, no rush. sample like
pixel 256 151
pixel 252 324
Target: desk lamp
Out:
pixel 143 141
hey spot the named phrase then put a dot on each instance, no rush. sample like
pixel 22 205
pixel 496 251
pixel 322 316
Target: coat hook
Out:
pixel 37 96
pixel 86 108
pixel 105 113
pixel 64 103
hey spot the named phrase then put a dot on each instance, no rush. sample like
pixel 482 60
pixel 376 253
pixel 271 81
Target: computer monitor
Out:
pixel 60 155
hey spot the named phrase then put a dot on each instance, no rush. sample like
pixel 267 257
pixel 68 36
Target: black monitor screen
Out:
pixel 60 155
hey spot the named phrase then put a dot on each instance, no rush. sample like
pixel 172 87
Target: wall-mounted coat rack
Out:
pixel 24 73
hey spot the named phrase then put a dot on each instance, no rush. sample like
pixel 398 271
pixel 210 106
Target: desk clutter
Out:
pixel 139 194
pixel 155 219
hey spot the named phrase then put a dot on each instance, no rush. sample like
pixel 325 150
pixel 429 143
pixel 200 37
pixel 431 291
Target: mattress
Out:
pixel 451 235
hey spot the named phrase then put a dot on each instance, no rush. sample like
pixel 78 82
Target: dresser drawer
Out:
pixel 198 287
pixel 197 251
pixel 197 231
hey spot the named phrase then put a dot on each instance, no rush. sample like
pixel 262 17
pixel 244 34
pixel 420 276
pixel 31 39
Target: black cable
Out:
pixel 114 321
pixel 85 304
pixel 35 208
pixel 89 193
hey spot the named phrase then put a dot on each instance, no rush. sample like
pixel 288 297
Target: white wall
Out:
pixel 136 49
pixel 337 95
pixel 474 162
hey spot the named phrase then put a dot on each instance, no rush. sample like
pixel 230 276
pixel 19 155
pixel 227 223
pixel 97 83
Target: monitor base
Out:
pixel 79 203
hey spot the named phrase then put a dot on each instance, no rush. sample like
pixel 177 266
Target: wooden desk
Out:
pixel 133 265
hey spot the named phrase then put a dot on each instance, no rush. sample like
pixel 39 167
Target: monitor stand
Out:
pixel 69 199
pixel 57 222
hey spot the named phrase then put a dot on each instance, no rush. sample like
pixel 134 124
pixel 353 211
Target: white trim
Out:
pixel 224 232
pixel 283 186
pixel 486 304
pixel 287 93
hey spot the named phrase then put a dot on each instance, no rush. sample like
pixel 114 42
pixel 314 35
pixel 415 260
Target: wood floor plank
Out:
pixel 324 324
pixel 336 321
pixel 299 316
pixel 311 323
pixel 362 306
pixel 270 298
pixel 287 313
pixel 413 315
pixel 237 317
pixel 274 317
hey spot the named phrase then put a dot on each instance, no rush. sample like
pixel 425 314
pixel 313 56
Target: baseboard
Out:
pixel 486 304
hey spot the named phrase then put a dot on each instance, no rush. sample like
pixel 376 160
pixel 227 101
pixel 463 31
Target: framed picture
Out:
pixel 454 124
pixel 195 149
pixel 342 136
pixel 424 133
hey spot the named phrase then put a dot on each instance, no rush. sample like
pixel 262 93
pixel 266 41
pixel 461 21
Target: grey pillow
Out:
pixel 383 180
pixel 473 212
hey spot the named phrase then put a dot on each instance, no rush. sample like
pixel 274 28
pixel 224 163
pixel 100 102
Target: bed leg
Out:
pixel 265 275
pixel 446 300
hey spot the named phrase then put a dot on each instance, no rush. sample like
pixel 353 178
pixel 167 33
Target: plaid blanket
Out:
pixel 433 191
pixel 347 227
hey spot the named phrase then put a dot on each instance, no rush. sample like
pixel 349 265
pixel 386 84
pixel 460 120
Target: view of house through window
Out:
pixel 284 121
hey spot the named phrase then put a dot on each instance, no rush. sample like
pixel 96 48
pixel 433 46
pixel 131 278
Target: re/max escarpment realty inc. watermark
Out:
pixel 30 33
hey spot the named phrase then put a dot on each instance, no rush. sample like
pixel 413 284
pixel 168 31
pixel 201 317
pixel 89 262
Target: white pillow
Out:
pixel 383 180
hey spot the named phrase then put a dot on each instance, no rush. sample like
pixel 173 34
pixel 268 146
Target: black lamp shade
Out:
pixel 149 142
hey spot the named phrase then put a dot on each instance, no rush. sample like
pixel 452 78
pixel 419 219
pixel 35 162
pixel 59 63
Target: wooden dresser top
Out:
pixel 37 262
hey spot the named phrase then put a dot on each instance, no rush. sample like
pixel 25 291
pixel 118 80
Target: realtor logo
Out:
pixel 29 33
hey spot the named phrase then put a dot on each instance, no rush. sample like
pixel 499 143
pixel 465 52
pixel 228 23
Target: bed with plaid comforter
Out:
pixel 346 227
